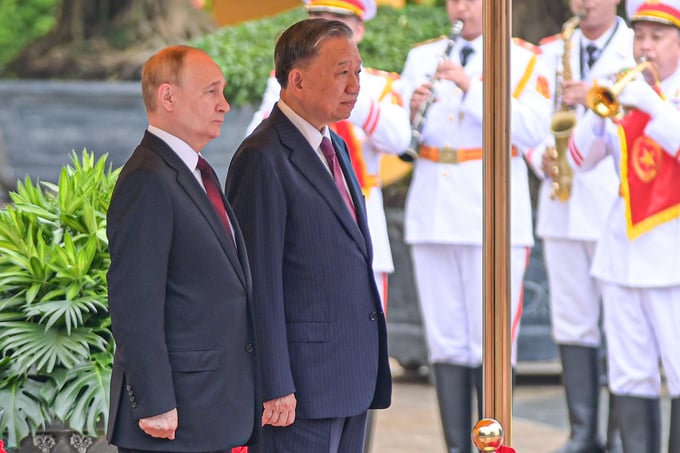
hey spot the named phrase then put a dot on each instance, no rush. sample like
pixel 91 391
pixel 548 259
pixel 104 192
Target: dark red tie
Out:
pixel 332 159
pixel 212 187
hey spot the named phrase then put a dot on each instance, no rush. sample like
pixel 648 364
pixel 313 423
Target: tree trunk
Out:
pixel 109 39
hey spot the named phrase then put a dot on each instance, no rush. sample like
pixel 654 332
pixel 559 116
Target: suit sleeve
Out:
pixel 258 198
pixel 140 232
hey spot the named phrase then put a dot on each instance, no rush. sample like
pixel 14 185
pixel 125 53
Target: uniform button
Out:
pixel 373 316
pixel 128 387
pixel 249 347
pixel 134 405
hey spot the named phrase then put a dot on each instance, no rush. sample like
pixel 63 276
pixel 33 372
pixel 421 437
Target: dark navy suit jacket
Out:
pixel 321 329
pixel 179 295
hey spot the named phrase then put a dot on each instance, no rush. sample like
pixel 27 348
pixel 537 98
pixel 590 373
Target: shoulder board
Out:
pixel 551 38
pixel 384 74
pixel 527 45
pixel 429 41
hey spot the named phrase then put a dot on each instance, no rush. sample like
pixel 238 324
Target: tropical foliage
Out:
pixel 56 347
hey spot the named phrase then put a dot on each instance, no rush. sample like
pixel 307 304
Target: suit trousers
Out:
pixel 327 435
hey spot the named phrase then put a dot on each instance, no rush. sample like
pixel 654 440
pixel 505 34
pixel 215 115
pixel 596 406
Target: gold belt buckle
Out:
pixel 448 155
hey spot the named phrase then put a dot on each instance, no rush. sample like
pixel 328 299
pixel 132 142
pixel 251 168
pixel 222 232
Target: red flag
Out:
pixel 649 177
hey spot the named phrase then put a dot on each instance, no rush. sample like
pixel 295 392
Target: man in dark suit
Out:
pixel 179 284
pixel 321 329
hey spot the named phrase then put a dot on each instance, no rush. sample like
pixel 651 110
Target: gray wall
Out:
pixel 42 121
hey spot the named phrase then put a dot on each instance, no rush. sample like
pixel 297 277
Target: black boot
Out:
pixel 639 421
pixel 613 432
pixel 479 390
pixel 674 434
pixel 454 394
pixel 581 379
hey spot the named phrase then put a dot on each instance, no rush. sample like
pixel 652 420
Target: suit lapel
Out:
pixel 187 181
pixel 304 158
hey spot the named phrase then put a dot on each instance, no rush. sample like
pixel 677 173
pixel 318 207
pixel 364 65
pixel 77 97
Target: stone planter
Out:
pixel 57 439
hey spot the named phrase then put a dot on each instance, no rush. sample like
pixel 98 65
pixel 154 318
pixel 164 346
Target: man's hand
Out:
pixel 162 426
pixel 574 92
pixel 641 95
pixel 279 411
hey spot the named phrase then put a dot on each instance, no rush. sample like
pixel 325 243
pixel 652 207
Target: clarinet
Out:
pixel 411 154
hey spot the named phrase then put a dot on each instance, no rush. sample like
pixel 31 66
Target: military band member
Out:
pixel 444 204
pixel 637 260
pixel 378 124
pixel 570 219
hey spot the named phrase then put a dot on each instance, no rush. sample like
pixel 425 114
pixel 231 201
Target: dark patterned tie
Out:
pixel 332 159
pixel 212 188
pixel 593 53
pixel 465 53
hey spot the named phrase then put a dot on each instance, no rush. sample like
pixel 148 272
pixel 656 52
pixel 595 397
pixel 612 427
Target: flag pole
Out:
pixel 497 367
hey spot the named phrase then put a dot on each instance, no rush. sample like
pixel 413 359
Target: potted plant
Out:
pixel 56 347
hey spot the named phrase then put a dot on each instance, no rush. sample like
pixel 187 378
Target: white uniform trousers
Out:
pixel 641 326
pixel 574 293
pixel 449 280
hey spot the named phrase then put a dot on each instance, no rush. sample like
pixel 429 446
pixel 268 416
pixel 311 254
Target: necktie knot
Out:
pixel 327 148
pixel 202 164
pixel 332 159
pixel 212 188
pixel 593 52
pixel 465 53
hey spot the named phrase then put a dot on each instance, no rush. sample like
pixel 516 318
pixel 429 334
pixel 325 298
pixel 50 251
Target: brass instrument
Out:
pixel 563 123
pixel 411 154
pixel 604 100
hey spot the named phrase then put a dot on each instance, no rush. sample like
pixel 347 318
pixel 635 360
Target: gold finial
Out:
pixel 487 435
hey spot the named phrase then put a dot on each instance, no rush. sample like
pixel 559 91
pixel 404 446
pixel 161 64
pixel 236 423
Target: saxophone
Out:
pixel 563 123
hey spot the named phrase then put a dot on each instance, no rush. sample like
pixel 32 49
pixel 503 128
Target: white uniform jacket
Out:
pixel 653 258
pixel 444 203
pixel 378 124
pixel 583 215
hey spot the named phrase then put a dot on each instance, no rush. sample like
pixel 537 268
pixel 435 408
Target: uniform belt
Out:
pixel 448 155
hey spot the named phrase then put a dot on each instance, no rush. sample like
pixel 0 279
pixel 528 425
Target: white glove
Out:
pixel 641 95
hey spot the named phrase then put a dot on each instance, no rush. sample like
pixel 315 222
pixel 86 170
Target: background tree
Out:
pixel 108 39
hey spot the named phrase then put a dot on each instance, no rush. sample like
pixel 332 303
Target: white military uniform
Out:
pixel 570 228
pixel 378 124
pixel 444 205
pixel 640 276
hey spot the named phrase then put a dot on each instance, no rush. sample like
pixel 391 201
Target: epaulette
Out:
pixel 549 39
pixel 527 45
pixel 429 41
pixel 381 73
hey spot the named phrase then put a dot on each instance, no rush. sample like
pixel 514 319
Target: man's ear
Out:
pixel 295 79
pixel 166 96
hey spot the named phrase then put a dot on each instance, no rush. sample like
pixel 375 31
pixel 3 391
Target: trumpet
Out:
pixel 411 154
pixel 604 100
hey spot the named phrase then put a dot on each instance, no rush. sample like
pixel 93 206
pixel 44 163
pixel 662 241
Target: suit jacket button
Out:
pixel 373 316
pixel 134 404
pixel 128 387
pixel 249 347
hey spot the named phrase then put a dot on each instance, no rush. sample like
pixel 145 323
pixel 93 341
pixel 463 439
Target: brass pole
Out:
pixel 496 247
